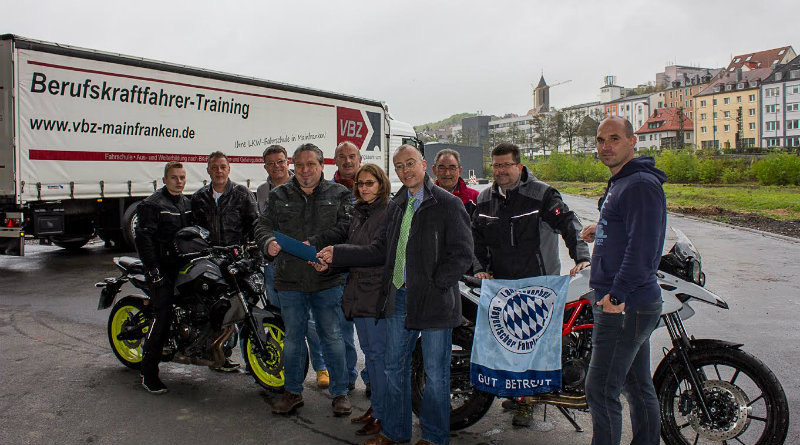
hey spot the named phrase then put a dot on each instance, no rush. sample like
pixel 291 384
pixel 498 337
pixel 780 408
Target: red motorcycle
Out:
pixel 709 391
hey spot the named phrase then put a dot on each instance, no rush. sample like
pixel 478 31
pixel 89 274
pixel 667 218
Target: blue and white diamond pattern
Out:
pixel 526 316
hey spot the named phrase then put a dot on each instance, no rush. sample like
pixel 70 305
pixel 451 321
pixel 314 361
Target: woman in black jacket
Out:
pixel 362 292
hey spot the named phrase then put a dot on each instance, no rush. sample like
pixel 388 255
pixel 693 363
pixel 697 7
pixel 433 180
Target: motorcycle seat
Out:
pixel 130 264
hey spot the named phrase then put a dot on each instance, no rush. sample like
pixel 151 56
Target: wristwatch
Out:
pixel 613 300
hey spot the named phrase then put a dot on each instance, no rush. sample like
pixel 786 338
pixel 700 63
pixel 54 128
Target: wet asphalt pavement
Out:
pixel 62 384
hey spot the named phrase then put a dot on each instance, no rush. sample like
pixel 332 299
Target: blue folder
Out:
pixel 295 247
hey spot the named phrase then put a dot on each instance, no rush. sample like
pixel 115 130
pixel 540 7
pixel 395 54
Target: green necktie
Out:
pixel 398 278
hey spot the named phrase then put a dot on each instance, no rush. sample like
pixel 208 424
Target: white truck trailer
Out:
pixel 84 135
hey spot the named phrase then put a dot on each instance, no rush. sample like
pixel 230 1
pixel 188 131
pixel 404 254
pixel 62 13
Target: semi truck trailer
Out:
pixel 84 135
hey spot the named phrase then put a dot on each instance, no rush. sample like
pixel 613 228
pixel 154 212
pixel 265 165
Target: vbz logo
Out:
pixel 352 126
pixel 351 129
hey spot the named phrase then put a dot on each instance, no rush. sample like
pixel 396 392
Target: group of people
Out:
pixel 388 267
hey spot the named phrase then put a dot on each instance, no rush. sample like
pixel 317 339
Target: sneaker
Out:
pixel 287 403
pixel 323 379
pixel 509 404
pixel 341 405
pixel 228 366
pixel 154 385
pixel 523 415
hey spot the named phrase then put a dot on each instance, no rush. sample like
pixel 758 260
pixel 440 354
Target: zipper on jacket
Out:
pixel 542 270
pixel 513 221
pixel 436 247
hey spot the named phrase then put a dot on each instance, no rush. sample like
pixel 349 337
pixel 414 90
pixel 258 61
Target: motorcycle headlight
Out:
pixel 256 283
pixel 697 272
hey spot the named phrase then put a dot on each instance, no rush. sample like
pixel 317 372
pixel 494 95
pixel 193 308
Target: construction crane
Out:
pixel 533 87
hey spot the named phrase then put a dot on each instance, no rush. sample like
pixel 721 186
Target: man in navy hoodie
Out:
pixel 628 240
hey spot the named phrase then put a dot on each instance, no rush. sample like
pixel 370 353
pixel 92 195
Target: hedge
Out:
pixel 681 167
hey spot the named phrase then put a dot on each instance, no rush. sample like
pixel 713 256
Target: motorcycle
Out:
pixel 219 296
pixel 709 391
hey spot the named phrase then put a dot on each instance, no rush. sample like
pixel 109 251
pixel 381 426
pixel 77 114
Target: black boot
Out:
pixel 153 384
pixel 149 373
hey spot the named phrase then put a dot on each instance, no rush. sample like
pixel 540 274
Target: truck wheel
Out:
pixel 129 222
pixel 71 243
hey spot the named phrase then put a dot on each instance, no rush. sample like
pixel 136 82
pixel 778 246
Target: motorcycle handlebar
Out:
pixel 471 281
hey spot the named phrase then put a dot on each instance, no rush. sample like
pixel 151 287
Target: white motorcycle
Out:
pixel 709 391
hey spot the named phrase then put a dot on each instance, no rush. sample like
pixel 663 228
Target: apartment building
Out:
pixel 780 106
pixel 664 129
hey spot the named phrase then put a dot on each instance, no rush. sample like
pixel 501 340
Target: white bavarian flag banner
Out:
pixel 517 347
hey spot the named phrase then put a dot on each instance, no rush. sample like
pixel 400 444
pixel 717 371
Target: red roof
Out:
pixel 728 78
pixel 762 59
pixel 668 120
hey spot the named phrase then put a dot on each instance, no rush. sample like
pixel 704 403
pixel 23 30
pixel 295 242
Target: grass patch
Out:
pixel 778 202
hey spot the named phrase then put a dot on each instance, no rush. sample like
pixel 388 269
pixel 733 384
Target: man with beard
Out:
pixel 516 227
pixel 311 209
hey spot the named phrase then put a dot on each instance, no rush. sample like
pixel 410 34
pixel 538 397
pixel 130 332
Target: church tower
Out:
pixel 541 97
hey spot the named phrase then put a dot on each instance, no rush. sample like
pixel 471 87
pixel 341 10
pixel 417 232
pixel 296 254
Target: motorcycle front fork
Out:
pixel 682 345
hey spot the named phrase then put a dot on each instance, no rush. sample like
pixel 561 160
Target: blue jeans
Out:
pixel 314 349
pixel 620 364
pixel 348 329
pixel 325 305
pixel 372 338
pixel 269 283
pixel 349 337
pixel 436 350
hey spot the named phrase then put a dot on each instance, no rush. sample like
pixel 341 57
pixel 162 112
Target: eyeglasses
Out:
pixel 280 163
pixel 368 183
pixel 503 165
pixel 407 166
pixel 444 168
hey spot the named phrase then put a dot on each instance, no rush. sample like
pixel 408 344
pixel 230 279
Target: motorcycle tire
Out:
pixel 129 317
pixel 743 394
pixel 467 405
pixel 268 371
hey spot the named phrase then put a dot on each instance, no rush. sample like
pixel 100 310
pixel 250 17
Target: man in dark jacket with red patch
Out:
pixel 516 227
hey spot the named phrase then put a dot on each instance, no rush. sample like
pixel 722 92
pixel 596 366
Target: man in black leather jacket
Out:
pixel 160 216
pixel 227 209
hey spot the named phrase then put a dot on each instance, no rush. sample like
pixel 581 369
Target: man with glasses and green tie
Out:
pixel 516 227
pixel 447 168
pixel 425 248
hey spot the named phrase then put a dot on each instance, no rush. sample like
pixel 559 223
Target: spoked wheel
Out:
pixel 745 399
pixel 128 325
pixel 267 368
pixel 467 404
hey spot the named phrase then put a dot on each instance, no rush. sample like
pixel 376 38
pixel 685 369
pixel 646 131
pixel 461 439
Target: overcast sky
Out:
pixel 426 59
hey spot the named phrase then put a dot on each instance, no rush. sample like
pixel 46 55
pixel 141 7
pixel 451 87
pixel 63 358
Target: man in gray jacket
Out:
pixel 315 211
